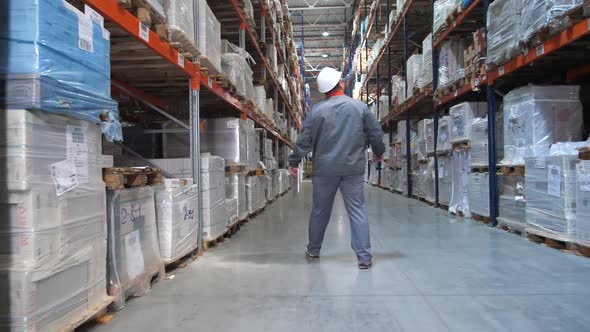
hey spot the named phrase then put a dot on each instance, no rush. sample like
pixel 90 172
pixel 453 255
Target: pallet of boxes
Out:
pixel 445 160
pixel 54 235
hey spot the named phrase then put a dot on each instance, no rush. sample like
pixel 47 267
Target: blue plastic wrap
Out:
pixel 56 59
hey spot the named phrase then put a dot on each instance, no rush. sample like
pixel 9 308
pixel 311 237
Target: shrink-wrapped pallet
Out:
pixel 536 117
pixel 231 210
pixel 213 196
pixel 133 247
pixel 479 142
pixel 401 130
pixel 398 88
pixel 235 187
pixel 462 117
pixel 582 225
pixel 177 220
pixel 450 62
pixel 57 60
pixel 252 145
pixel 551 196
pixel 429 134
pixel 226 138
pixel 180 24
pixel 235 64
pixel 460 189
pixel 444 131
pixel 504 31
pixel 260 98
pixel 209 39
pixel 252 194
pixel 414 66
pixel 479 194
pixel 442 9
pixel 511 201
pixel 541 15
pixel 445 179
pixel 426 61
pixel 54 231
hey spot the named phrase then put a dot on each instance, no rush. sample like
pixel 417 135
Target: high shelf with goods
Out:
pixel 166 86
pixel 480 51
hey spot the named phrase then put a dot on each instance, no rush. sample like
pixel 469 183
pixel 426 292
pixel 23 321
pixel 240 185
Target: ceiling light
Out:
pixel 324 55
pixel 325 33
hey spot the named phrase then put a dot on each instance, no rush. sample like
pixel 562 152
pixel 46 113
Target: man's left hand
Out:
pixel 293 171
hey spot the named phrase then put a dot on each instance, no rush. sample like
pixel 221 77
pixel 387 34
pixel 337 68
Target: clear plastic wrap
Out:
pixel 181 24
pixel 426 61
pixel 414 66
pixel 209 41
pixel 460 189
pixel 442 9
pixel 551 196
pixel 249 12
pixel 504 31
pixel 177 220
pixel 133 253
pixel 536 117
pixel 545 14
pixel 462 117
pixel 235 187
pixel 511 201
pixel 400 6
pixel 450 60
pixel 429 135
pixel 227 138
pixel 260 98
pixel 479 142
pixel 252 194
pixel 57 60
pixel 252 145
pixel 444 131
pixel 237 69
pixel 479 194
pixel 270 110
pixel 231 210
pixel 445 179
pixel 582 225
pixel 401 132
pixel 213 195
pixel 398 89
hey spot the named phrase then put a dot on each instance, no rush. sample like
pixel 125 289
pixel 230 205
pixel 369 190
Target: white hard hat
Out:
pixel 327 79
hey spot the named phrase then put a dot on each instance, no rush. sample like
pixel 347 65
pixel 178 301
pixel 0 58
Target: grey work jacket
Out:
pixel 337 129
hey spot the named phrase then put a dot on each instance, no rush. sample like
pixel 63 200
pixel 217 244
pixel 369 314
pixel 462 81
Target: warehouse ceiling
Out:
pixel 321 25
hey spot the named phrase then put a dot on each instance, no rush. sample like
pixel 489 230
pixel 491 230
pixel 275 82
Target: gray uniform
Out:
pixel 336 130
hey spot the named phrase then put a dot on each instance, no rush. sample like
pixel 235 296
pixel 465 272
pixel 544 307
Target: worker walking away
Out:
pixel 336 130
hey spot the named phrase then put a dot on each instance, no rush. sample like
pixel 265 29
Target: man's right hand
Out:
pixel 293 171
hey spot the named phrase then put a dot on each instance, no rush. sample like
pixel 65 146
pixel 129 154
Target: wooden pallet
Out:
pixel 511 170
pixel 181 262
pixel 117 178
pixel 459 214
pixel 463 144
pixel 479 168
pixel 547 241
pixel 121 292
pixel 233 228
pixel 443 206
pixel 584 153
pixel 95 316
pixel 573 15
pixel 480 218
pixel 209 243
pixel 511 229
pixel 146 15
pixel 257 172
pixel 235 169
pixel 207 66
pixel 422 199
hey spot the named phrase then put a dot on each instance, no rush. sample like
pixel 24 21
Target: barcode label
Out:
pixel 144 32
pixel 554 181
pixel 93 15
pixel 64 176
pixel 539 163
pixel 501 70
pixel 85 34
pixel 77 151
pixel 180 60
pixel 540 50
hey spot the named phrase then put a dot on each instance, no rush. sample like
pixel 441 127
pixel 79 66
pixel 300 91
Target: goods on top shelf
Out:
pixel 450 62
pixel 426 78
pixel 235 64
pixel 503 23
pixel 442 9
pixel 536 117
pixel 414 66
pixel 58 61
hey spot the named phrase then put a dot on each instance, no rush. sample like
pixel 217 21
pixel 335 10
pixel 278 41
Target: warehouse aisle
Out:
pixel 431 273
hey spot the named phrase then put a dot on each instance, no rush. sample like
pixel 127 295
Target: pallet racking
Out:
pixel 562 58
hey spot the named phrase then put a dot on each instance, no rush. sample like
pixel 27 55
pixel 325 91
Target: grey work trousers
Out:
pixel 352 190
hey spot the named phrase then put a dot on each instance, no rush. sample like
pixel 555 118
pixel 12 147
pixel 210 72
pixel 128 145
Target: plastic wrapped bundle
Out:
pixel 231 210
pixel 414 66
pixel 582 230
pixel 239 73
pixel 511 201
pixel 398 86
pixel 460 189
pixel 235 187
pixel 445 179
pixel 462 117
pixel 479 142
pixel 252 145
pixel 260 98
pixel 181 24
pixel 426 61
pixel 252 194
pixel 209 40
pixel 450 59
pixel 545 14
pixel 551 196
pixel 57 60
pixel 401 131
pixel 249 12
pixel 177 221
pixel 479 194
pixel 133 247
pixel 444 131
pixel 536 117
pixel 400 5
pixel 429 135
pixel 504 32
pixel 442 9
pixel 428 180
pixel 227 138
pixel 270 109
pixel 213 196
pixel 421 139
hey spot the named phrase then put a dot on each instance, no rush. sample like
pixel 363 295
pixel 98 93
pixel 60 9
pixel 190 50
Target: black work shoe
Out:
pixel 311 256
pixel 365 265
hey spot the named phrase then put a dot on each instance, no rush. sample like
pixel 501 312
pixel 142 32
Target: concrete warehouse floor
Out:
pixel 431 273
